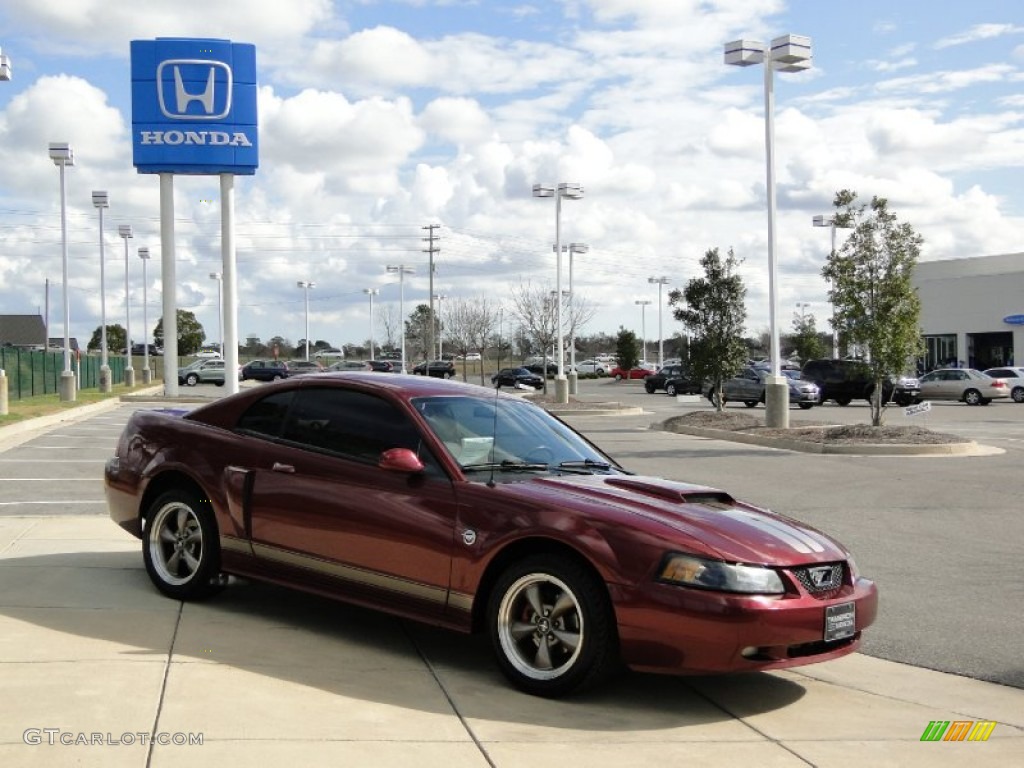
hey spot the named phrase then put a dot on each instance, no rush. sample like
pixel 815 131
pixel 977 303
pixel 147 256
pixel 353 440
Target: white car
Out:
pixel 592 366
pixel 1014 378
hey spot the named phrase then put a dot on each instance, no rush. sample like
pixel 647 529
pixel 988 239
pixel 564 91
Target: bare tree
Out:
pixel 468 325
pixel 390 322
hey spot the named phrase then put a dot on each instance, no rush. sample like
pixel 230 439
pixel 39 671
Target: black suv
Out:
pixel 674 379
pixel 439 369
pixel 265 370
pixel 848 380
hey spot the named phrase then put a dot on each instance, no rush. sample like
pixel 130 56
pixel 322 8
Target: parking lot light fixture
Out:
pixel 643 303
pixel 570 191
pixel 831 223
pixel 787 53
pixel 63 156
pixel 125 232
pixel 371 292
pixel 439 297
pixel 101 200
pixel 5 66
pixel 147 374
pixel 220 310
pixel 572 248
pixel 306 285
pixel 660 281
pixel 401 270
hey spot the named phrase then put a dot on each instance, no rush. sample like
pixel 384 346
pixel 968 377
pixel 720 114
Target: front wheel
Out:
pixel 806 406
pixel 1017 394
pixel 670 389
pixel 618 377
pixel 972 397
pixel 180 546
pixel 843 401
pixel 551 626
pixel 192 379
pixel 750 403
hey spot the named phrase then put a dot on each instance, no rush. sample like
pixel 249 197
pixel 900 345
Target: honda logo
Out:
pixel 194 89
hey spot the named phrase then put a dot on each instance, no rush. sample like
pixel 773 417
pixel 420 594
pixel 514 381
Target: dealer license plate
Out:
pixel 840 621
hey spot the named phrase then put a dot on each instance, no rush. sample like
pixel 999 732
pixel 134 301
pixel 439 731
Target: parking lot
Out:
pixel 269 676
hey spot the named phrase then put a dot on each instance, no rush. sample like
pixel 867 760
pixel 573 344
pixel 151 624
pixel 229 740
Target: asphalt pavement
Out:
pixel 91 654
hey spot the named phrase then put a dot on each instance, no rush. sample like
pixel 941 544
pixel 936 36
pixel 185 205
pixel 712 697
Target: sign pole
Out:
pixel 170 286
pixel 227 245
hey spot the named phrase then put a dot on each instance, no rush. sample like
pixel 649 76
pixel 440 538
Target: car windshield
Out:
pixel 506 437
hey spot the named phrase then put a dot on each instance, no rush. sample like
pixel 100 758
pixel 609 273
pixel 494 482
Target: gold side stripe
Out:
pixel 234 544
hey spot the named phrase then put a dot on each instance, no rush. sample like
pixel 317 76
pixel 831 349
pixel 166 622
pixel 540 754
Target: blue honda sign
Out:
pixel 1014 319
pixel 194 106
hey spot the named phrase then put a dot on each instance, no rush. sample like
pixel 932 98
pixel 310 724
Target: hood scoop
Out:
pixel 676 492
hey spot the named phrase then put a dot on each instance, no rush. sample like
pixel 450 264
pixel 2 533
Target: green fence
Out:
pixel 38 373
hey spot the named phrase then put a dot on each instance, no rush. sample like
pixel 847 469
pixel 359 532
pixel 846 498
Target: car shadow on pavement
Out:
pixel 100 607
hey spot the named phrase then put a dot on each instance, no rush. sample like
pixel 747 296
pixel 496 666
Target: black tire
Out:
pixel 670 389
pixel 219 383
pixel 903 402
pixel 1017 394
pixel 651 388
pixel 806 406
pixel 843 401
pixel 751 403
pixel 986 400
pixel 192 379
pixel 276 377
pixel 547 654
pixel 180 546
pixel 972 397
pixel 618 377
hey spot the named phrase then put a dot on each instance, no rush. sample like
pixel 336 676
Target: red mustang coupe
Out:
pixel 455 505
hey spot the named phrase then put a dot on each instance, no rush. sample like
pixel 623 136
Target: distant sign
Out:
pixel 1014 319
pixel 194 106
pixel 913 410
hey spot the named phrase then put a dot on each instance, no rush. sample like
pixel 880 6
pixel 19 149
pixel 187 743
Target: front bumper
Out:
pixel 669 629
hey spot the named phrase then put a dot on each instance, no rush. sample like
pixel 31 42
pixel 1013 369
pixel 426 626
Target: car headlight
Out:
pixel 690 571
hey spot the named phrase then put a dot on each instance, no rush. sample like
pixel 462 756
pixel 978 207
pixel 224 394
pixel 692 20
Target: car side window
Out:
pixel 266 416
pixel 355 425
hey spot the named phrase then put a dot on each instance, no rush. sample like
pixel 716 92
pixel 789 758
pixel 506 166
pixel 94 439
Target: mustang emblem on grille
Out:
pixel 821 576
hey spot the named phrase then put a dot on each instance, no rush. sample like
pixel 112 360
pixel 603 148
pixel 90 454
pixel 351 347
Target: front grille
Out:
pixel 821 580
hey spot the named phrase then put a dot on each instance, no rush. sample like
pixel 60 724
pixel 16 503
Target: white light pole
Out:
pixel 101 200
pixel 147 374
pixel 402 271
pixel 788 53
pixel 572 248
pixel 830 222
pixel 643 323
pixel 660 281
pixel 5 67
pixel 63 156
pixel 125 232
pixel 371 292
pixel 572 192
pixel 306 285
pixel 220 312
pixel 439 297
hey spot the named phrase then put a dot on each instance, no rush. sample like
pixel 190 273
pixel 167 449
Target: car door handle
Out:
pixel 288 469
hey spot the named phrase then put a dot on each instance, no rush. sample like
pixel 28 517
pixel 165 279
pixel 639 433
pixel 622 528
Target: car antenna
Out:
pixel 494 435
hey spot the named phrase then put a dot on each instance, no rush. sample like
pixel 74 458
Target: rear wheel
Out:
pixel 1017 394
pixel 972 397
pixel 192 379
pixel 180 546
pixel 751 403
pixel 551 626
pixel 806 406
pixel 651 388
pixel 618 377
pixel 843 401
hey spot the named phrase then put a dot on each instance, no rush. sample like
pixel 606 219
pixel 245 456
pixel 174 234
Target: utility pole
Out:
pixel 430 250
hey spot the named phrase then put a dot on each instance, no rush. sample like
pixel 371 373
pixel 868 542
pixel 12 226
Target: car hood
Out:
pixel 696 518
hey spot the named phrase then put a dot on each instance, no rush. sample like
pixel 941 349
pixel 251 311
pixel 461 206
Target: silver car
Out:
pixel 203 372
pixel 749 384
pixel 964 384
pixel 1014 378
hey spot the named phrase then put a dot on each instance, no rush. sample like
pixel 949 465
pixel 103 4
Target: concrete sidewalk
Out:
pixel 90 651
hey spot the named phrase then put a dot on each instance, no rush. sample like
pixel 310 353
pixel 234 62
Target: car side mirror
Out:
pixel 400 460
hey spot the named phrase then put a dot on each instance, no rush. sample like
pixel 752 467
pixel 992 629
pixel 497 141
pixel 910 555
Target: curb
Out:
pixel 944 449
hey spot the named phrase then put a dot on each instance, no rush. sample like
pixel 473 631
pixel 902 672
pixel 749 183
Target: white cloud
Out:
pixel 949 80
pixel 979 32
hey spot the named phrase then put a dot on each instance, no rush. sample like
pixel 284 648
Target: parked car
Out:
pixel 350 365
pixel 639 372
pixel 381 366
pixel 748 387
pixel 1014 378
pixel 592 366
pixel 140 349
pixel 964 384
pixel 673 380
pixel 551 368
pixel 847 380
pixel 297 367
pixel 202 372
pixel 488 514
pixel 440 369
pixel 265 370
pixel 207 353
pixel 326 356
pixel 511 377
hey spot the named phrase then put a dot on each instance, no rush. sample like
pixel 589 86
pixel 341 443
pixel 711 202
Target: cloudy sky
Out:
pixel 378 118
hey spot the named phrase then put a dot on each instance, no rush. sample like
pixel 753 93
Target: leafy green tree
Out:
pixel 806 341
pixel 190 333
pixel 712 309
pixel 115 338
pixel 876 306
pixel 418 335
pixel 627 349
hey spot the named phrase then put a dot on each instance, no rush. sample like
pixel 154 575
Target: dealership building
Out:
pixel 972 311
